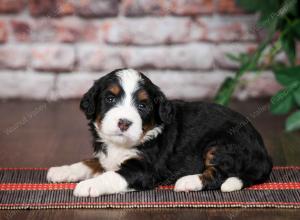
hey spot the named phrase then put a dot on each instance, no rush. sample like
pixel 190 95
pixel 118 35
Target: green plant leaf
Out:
pixel 225 92
pixel 233 57
pixel 266 7
pixel 288 76
pixel 297 96
pixel 289 46
pixel 296 28
pixel 284 101
pixel 251 6
pixel 293 122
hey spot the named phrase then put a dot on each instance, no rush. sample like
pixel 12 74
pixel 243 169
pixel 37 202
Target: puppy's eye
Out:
pixel 110 99
pixel 141 106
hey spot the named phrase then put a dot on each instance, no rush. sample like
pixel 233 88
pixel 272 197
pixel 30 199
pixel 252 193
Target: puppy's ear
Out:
pixel 166 110
pixel 88 102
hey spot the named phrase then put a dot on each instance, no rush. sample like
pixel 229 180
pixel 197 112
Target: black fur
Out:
pixel 190 130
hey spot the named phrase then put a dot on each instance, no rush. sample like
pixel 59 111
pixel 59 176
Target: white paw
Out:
pixel 60 174
pixel 188 183
pixel 106 183
pixel 86 188
pixel 72 173
pixel 232 184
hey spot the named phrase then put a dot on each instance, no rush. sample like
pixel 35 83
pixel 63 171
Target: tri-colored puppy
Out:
pixel 142 140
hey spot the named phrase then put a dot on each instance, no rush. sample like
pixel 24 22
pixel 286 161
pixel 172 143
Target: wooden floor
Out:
pixel 42 134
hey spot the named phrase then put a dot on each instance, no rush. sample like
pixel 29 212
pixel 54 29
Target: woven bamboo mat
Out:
pixel 27 188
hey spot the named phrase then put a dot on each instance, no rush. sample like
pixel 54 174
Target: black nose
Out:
pixel 124 124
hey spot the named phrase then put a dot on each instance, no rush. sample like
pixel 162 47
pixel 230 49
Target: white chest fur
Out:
pixel 115 156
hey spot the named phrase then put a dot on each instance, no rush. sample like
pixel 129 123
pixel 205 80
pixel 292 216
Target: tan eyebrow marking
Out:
pixel 115 89
pixel 143 95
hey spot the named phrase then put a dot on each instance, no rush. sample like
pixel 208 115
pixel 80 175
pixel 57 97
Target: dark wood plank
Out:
pixel 149 214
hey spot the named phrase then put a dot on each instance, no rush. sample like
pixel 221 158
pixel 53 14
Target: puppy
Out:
pixel 143 140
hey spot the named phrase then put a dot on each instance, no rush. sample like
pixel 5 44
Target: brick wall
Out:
pixel 53 49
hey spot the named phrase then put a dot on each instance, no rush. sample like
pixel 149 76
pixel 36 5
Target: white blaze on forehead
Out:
pixel 129 80
pixel 125 109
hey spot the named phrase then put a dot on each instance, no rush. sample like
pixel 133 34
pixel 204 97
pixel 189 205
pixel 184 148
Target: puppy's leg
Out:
pixel 214 175
pixel 189 183
pixel 75 172
pixel 134 174
pixel 106 183
pixel 209 179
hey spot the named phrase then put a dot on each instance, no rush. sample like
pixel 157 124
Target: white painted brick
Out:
pixel 189 56
pixel 256 85
pixel 151 30
pixel 14 56
pixel 176 84
pixel 168 29
pixel 188 85
pixel 53 57
pixel 221 51
pixel 74 85
pixel 228 28
pixel 26 85
pixel 94 58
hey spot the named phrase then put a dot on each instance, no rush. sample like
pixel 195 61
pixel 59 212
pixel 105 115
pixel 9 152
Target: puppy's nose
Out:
pixel 124 124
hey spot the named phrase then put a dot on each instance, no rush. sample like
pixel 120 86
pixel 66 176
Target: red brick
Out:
pixel 3 32
pixel 177 7
pixel 73 30
pixel 228 7
pixel 11 6
pixel 51 8
pixel 67 30
pixel 66 7
pixel 191 7
pixel 96 8
pixel 21 30
pixel 54 58
pixel 14 57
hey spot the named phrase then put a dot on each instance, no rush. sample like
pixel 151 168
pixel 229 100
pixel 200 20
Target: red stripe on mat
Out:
pixel 36 186
pixel 150 203
pixel 23 168
pixel 71 186
pixel 44 168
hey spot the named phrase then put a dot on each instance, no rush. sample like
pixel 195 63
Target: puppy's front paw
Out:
pixel 60 174
pixel 106 183
pixel 188 183
pixel 72 173
pixel 88 188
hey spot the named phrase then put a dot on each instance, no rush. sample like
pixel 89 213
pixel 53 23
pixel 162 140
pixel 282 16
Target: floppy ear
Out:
pixel 88 102
pixel 166 110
